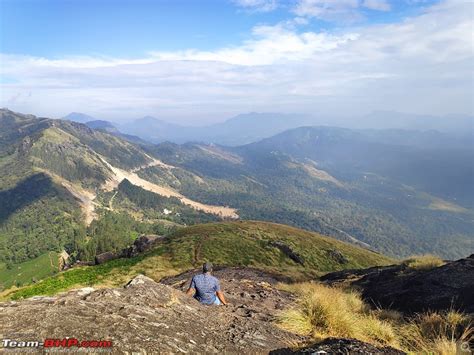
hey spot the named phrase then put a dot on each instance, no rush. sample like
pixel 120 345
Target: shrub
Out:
pixel 424 262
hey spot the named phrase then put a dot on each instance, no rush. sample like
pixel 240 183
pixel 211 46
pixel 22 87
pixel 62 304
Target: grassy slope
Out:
pixel 226 243
pixel 40 267
pixel 247 243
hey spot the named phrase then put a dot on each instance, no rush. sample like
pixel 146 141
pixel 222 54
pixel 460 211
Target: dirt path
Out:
pixel 51 261
pixel 153 162
pixel 119 175
pixel 111 201
pixel 197 249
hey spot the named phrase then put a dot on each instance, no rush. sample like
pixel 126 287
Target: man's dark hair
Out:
pixel 207 267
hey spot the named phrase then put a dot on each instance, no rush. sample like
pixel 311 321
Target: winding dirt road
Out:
pixel 119 175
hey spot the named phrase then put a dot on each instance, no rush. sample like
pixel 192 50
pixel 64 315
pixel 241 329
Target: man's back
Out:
pixel 206 287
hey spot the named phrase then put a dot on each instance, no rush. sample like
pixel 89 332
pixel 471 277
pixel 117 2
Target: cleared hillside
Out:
pixel 254 244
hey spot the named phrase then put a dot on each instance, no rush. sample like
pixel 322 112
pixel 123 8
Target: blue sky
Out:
pixel 131 28
pixel 206 60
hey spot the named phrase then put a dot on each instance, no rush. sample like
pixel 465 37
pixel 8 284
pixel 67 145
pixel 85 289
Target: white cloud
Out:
pixel 340 10
pixel 257 5
pixel 328 10
pixel 380 5
pixel 269 45
pixel 422 64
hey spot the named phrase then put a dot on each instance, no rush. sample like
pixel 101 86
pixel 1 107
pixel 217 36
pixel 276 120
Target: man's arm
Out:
pixel 192 288
pixel 221 297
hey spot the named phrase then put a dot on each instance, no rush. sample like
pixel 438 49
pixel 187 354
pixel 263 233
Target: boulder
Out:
pixel 285 249
pixel 337 256
pixel 104 257
pixel 140 245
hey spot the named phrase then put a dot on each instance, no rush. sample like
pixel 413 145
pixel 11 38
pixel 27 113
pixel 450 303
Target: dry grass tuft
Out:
pixel 436 332
pixel 424 262
pixel 323 311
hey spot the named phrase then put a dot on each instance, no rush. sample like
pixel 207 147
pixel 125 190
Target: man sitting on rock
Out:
pixel 206 288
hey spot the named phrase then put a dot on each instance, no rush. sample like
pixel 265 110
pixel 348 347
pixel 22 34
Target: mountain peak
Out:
pixel 79 117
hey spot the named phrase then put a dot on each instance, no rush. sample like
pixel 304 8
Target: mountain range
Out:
pixel 65 185
pixel 251 127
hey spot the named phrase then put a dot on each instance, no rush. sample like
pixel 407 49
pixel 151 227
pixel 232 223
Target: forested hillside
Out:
pixel 62 186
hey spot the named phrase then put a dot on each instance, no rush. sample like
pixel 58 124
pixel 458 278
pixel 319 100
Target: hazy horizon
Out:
pixel 327 119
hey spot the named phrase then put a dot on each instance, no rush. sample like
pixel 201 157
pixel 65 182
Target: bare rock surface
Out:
pixel 148 317
pixel 409 291
pixel 250 292
pixel 339 346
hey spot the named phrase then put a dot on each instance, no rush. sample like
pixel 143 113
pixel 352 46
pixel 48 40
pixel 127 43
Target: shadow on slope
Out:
pixel 23 194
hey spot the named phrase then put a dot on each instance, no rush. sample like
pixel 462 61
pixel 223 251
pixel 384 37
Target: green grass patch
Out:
pixel 81 276
pixel 24 273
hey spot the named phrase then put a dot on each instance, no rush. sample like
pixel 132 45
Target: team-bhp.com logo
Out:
pixel 56 343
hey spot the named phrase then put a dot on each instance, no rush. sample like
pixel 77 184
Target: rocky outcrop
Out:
pixel 339 346
pixel 150 317
pixel 337 256
pixel 285 249
pixel 104 257
pixel 140 245
pixel 409 291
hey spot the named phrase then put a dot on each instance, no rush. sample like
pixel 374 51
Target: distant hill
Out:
pixel 79 117
pixel 458 124
pixel 154 130
pixel 430 161
pixel 111 128
pixel 238 130
pixel 102 125
pixel 401 197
